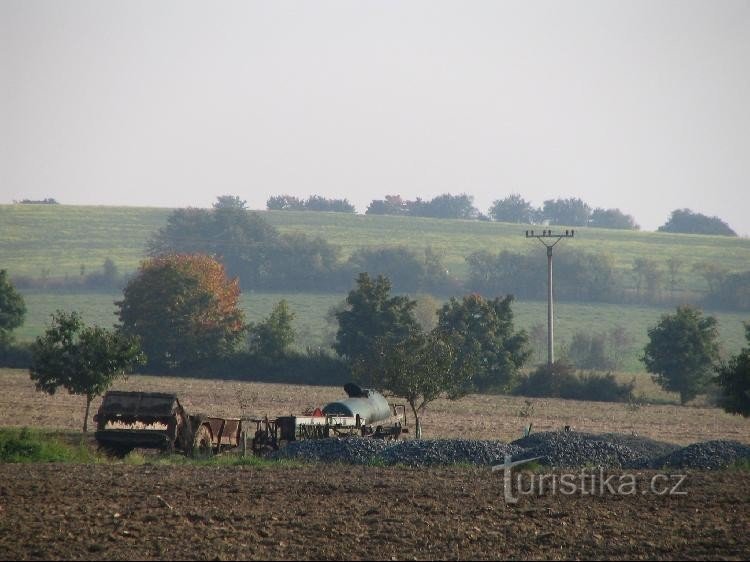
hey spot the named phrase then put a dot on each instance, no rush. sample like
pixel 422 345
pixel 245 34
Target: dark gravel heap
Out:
pixel 429 452
pixel 709 455
pixel 570 449
pixel 559 449
pixel 567 449
pixel 350 450
pixel 645 447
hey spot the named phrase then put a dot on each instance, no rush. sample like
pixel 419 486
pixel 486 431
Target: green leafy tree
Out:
pixel 418 368
pixel 682 351
pixel 484 329
pixel 588 351
pixel 12 309
pixel 230 202
pixel 647 272
pixel 445 206
pixel 82 359
pixel 513 208
pixel 733 378
pixel 372 314
pixel 319 203
pixel 612 218
pixel 567 212
pixel 687 222
pixel 391 205
pixel 272 337
pixel 285 203
pixel 184 309
pixel 674 266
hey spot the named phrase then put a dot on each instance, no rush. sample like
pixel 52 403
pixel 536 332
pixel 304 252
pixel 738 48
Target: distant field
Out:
pixel 313 330
pixel 58 239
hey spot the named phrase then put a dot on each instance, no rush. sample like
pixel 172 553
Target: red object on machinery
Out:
pixel 318 413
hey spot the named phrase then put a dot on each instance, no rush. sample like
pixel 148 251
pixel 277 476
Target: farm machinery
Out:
pixel 129 420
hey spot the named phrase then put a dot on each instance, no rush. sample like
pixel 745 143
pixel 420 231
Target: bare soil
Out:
pixel 124 512
pixel 120 511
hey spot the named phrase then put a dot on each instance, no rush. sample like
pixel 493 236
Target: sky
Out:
pixel 636 105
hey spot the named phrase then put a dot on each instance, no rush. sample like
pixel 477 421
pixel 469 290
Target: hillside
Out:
pixel 55 240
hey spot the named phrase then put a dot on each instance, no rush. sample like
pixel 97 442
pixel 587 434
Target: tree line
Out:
pixel 513 208
pixel 263 258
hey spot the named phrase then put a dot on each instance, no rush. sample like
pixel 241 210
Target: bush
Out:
pixel 604 388
pixel 15 355
pixel 24 445
pixel 311 368
pixel 561 381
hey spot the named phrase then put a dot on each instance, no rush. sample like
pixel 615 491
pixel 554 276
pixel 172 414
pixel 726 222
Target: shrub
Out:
pixel 25 445
pixel 561 381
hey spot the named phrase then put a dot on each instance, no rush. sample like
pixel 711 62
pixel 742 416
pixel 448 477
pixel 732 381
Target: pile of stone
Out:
pixel 709 455
pixel 559 449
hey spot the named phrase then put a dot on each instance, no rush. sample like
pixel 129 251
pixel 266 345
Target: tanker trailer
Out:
pixel 368 404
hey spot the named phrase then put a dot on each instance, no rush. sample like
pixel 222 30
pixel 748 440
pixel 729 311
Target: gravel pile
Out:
pixel 645 447
pixel 710 455
pixel 430 452
pixel 350 450
pixel 570 449
pixel 559 449
pixel 567 449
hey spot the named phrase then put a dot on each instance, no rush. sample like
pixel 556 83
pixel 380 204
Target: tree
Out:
pixel 733 378
pixel 184 309
pixel 12 309
pixel 319 203
pixel 484 329
pixel 674 266
pixel 230 202
pixel 372 314
pixel 713 273
pixel 567 212
pixel 687 222
pixel 588 351
pixel 682 351
pixel 399 264
pixel 272 337
pixel 647 271
pixel 513 208
pixel 419 368
pixel 620 342
pixel 391 205
pixel 612 218
pixel 731 292
pixel 84 360
pixel 445 206
pixel 249 247
pixel 285 203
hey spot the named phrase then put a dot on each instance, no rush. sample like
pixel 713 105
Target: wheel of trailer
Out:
pixel 202 445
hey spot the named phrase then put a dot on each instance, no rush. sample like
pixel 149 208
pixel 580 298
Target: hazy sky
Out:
pixel 643 106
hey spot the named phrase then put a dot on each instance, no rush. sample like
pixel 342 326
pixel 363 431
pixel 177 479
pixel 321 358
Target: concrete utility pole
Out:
pixel 548 234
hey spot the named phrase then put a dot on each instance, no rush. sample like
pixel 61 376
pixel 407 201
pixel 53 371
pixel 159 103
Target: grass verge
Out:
pixel 29 445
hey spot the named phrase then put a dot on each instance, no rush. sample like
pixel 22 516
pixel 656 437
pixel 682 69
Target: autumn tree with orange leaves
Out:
pixel 184 309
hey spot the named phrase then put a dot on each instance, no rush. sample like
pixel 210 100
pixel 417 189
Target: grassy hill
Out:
pixel 57 239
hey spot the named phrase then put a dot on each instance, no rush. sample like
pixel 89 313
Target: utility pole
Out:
pixel 543 237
